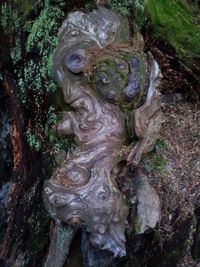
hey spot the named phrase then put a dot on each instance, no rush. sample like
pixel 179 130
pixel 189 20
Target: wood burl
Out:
pixel 110 85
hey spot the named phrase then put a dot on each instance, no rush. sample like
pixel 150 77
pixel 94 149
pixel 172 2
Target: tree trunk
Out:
pixel 29 107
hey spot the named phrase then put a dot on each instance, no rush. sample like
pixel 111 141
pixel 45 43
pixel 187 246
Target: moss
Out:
pixel 135 9
pixel 155 160
pixel 7 12
pixel 160 144
pixel 158 162
pixel 33 26
pixel 119 78
pixel 37 75
pixel 34 140
pixel 140 15
pixel 173 21
pixel 122 7
pixel 42 41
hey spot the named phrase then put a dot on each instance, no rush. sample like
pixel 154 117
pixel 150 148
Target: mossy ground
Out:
pixel 176 23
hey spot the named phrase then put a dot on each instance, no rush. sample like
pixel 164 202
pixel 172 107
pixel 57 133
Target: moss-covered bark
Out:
pixel 29 31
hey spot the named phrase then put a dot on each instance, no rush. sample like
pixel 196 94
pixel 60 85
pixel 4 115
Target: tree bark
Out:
pixel 28 94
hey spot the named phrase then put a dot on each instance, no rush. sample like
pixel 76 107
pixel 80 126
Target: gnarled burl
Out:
pixel 110 85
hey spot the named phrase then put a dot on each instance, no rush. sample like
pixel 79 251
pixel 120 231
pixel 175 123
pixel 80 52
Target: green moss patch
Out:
pixel 173 21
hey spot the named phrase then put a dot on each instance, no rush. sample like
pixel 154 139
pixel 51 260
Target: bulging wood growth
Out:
pixel 104 78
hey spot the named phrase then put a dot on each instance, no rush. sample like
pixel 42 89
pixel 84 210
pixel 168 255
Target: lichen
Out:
pixel 33 27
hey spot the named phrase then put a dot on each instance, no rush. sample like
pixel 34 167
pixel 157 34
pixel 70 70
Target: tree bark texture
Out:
pixel 29 104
